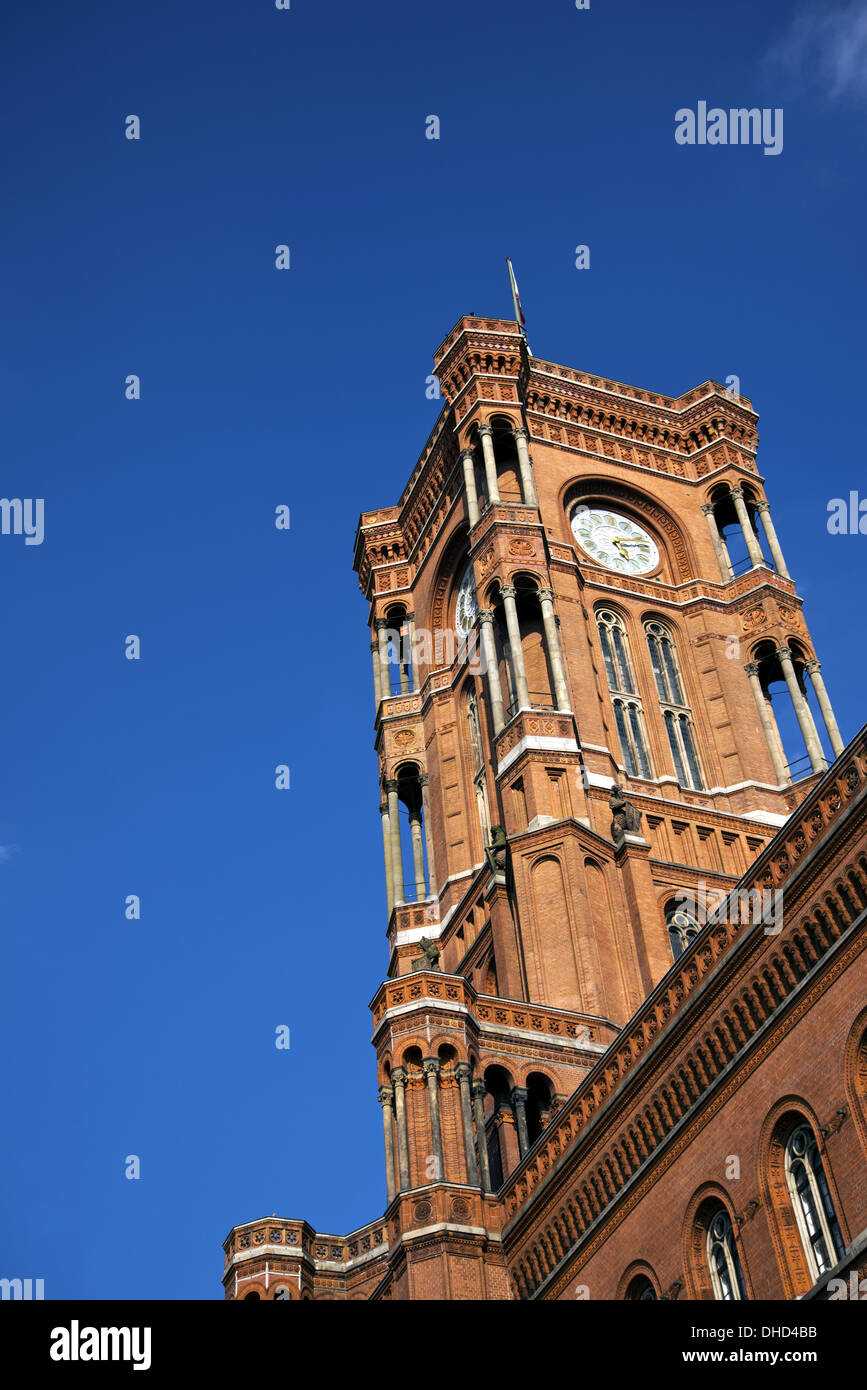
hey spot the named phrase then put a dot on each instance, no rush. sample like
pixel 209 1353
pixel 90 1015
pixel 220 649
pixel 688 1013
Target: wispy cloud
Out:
pixel 7 852
pixel 829 46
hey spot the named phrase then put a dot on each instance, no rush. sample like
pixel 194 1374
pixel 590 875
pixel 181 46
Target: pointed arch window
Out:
pixel 641 1290
pixel 682 925
pixel 628 714
pixel 811 1198
pixel 723 1260
pixel 676 713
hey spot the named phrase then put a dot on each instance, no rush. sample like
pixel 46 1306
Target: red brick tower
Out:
pixel 576 743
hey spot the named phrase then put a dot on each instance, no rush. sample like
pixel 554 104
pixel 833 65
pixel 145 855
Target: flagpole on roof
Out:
pixel 516 301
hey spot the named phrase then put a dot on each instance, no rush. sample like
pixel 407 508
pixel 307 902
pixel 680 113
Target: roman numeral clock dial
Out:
pixel 614 541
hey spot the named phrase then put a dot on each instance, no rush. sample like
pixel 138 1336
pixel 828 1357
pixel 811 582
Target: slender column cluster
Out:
pixel 813 669
pixel 719 545
pixel 464 1075
pixel 385 674
pixel 525 467
pixel 769 724
pixel 470 486
pixel 386 1100
pixel 386 842
pixel 492 674
pixel 431 1068
pixel 519 1107
pixel 517 652
pixel 394 840
pixel 803 714
pixel 481 1139
pixel 555 650
pixel 398 1078
pixel 752 540
pixel 425 806
pixel 764 510
pixel 490 463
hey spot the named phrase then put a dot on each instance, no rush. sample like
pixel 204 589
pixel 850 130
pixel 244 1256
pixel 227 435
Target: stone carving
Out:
pixel 497 852
pixel 520 546
pixel 624 816
pixel 754 617
pixel 431 958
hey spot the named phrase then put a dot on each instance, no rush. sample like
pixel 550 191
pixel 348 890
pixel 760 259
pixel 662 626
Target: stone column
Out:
pixel 377 673
pixel 520 675
pixel 386 1096
pixel 490 463
pixel 464 1073
pixel 555 651
pixel 382 638
pixel 398 1077
pixel 489 655
pixel 425 803
pixel 814 669
pixel 752 540
pixel 468 461
pixel 417 854
pixel 432 1073
pixel 394 837
pixel 818 761
pixel 525 467
pixel 386 844
pixel 406 654
pixel 769 724
pixel 718 543
pixel 479 1093
pixel 519 1106
pixel 764 510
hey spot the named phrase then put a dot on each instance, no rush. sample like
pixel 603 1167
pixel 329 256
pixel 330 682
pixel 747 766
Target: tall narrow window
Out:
pixel 628 714
pixel 682 927
pixel 675 711
pixel 723 1261
pixel 812 1201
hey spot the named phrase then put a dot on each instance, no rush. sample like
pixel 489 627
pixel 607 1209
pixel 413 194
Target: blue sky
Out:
pixel 307 388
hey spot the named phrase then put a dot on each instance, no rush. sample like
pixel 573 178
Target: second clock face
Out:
pixel 614 541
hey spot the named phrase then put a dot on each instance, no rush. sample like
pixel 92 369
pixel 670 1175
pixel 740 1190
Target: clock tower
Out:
pixel 581 588
pixel 595 704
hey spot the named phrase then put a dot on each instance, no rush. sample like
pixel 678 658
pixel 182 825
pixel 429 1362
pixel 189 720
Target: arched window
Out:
pixel 811 1198
pixel 675 710
pixel 628 714
pixel 401 677
pixel 540 1100
pixel 723 1260
pixel 682 926
pixel 641 1290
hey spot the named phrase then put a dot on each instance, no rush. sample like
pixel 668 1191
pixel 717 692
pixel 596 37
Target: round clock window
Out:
pixel 614 540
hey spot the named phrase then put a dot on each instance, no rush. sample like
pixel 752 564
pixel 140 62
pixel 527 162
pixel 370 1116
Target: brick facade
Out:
pixel 572 1094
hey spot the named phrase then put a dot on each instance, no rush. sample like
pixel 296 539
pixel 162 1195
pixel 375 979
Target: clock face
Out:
pixel 614 541
pixel 468 604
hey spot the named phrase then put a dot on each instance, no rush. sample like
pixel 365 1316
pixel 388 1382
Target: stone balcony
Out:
pixel 453 992
pixel 278 1236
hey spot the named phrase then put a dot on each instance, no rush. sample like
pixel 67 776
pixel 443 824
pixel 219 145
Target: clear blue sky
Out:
pixel 307 387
